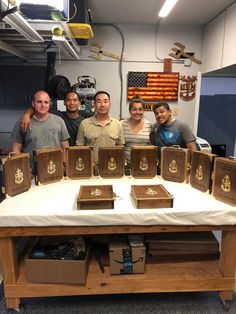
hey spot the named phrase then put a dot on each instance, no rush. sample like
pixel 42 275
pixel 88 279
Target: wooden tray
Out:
pixel 111 161
pixel 224 180
pixel 175 164
pixel 151 196
pixel 143 161
pixel 79 162
pixel 15 174
pixel 48 165
pixel 201 170
pixel 95 197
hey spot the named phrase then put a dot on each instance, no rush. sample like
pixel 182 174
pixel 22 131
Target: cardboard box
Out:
pixel 126 258
pixel 57 271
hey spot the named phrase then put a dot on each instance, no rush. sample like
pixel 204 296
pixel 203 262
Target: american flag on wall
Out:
pixel 153 85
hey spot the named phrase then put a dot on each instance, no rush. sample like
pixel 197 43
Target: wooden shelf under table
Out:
pixel 212 275
pixel 160 277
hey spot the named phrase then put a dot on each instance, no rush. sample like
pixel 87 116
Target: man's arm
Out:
pixel 121 139
pixel 16 147
pixel 188 137
pixel 25 122
pixel 192 146
pixel 80 140
pixel 65 144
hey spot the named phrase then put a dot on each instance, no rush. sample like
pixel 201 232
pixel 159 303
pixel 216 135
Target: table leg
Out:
pixel 10 269
pixel 228 260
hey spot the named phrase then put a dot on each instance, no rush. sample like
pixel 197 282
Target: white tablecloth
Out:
pixel 55 204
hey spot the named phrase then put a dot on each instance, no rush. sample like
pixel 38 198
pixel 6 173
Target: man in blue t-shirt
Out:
pixel 168 131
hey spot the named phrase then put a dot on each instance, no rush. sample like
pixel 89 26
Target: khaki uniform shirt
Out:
pixel 91 133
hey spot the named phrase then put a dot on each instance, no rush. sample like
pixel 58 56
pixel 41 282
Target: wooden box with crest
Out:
pixel 15 174
pixel 48 164
pixel 95 197
pixel 79 162
pixel 175 164
pixel 151 196
pixel 202 164
pixel 111 161
pixel 143 161
pixel 224 180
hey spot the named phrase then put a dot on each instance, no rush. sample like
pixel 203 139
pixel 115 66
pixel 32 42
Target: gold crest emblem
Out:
pixel 19 176
pixel 150 191
pixel 173 166
pixel 143 165
pixel 96 192
pixel 79 165
pixel 226 183
pixel 51 168
pixel 111 164
pixel 199 173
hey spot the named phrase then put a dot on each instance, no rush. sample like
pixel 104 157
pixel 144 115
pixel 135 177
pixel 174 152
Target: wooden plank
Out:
pixel 228 260
pixel 82 230
pixel 167 277
pixel 10 268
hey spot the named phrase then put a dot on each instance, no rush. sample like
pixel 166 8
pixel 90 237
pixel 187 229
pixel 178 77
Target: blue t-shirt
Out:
pixel 176 133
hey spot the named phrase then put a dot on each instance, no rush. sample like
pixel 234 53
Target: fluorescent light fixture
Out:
pixel 12 50
pixel 167 7
pixel 57 10
pixel 20 24
pixel 62 43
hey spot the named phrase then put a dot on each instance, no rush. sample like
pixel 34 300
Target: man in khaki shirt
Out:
pixel 101 130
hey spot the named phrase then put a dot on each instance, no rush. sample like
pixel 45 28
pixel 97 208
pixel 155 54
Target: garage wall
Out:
pixel 139 55
pixel 145 47
pixel 219 43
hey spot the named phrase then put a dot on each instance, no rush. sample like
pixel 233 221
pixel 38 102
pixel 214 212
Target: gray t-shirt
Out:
pixel 177 133
pixel 48 133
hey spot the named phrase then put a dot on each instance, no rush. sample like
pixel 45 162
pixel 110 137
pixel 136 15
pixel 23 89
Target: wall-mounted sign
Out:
pixel 153 86
pixel 187 87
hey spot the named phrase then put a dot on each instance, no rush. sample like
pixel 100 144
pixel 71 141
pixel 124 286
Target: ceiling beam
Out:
pixel 12 50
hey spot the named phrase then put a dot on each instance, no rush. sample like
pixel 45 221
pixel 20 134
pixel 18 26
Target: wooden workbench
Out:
pixel 213 275
pixel 22 217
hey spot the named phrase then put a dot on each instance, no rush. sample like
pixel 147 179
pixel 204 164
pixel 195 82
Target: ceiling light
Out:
pixel 12 50
pixel 62 43
pixel 167 7
pixel 17 22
